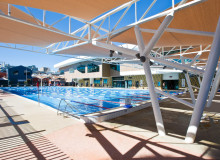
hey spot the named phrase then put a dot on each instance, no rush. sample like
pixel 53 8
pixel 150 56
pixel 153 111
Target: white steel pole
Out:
pixel 151 87
pixel 199 80
pixel 135 11
pixel 205 87
pixel 190 88
pixel 44 17
pixel 177 65
pixel 9 9
pixel 214 87
pixel 69 25
pixel 145 51
pixel 174 30
pixel 89 32
pixel 154 98
pixel 158 33
pixel 175 98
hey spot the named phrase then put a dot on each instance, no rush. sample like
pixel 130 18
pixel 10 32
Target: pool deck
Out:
pixel 30 131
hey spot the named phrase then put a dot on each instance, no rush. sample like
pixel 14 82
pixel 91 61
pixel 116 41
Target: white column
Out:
pixel 9 9
pixel 44 17
pixel 158 33
pixel 151 87
pixel 69 25
pixel 154 98
pixel 145 51
pixel 89 31
pixel 205 87
pixel 190 88
pixel 199 80
pixel 177 65
pixel 214 87
pixel 91 81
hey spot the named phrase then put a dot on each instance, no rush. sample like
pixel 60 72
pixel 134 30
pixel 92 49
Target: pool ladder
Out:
pixel 64 111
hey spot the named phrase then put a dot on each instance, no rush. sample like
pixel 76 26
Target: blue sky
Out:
pixel 18 57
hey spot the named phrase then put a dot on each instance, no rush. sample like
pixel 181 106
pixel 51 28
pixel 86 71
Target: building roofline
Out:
pixel 72 61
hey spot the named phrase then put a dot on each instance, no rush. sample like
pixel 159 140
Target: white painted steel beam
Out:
pixel 69 25
pixel 195 87
pixel 135 14
pixel 103 29
pixel 97 31
pixel 174 55
pixel 170 50
pixel 189 4
pixel 80 29
pixel 190 88
pixel 199 80
pixel 121 17
pixel 114 11
pixel 195 58
pixel 148 9
pixel 187 49
pixel 44 17
pixel 33 16
pixel 183 31
pixel 205 87
pixel 116 48
pixel 72 46
pixel 158 34
pixel 81 35
pixel 182 2
pixel 37 26
pixel 214 87
pixel 89 32
pixel 23 49
pixel 151 87
pixel 175 98
pixel 9 9
pixel 177 65
pixel 57 21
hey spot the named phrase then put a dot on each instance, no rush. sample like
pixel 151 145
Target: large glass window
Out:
pixel 15 73
pixel 81 68
pixel 93 68
pixel 61 71
pixel 117 78
pixel 97 81
pixel 71 70
pixel 27 73
pixel 105 81
pixel 115 67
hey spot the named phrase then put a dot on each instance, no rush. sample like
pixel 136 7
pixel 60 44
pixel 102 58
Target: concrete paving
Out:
pixel 30 131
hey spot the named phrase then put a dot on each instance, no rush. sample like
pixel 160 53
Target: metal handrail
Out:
pixel 65 108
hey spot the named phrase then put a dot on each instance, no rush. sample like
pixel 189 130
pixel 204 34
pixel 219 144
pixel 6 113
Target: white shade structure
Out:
pixel 192 25
pixel 41 77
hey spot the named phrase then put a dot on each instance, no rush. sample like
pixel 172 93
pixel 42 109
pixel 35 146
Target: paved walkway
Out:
pixel 30 131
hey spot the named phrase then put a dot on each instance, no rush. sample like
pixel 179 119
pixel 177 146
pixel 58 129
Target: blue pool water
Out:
pixel 86 100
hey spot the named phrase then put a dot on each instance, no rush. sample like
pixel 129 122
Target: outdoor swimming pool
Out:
pixel 84 100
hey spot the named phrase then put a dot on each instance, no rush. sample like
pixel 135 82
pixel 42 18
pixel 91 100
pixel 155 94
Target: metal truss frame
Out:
pixel 206 84
pixel 148 53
